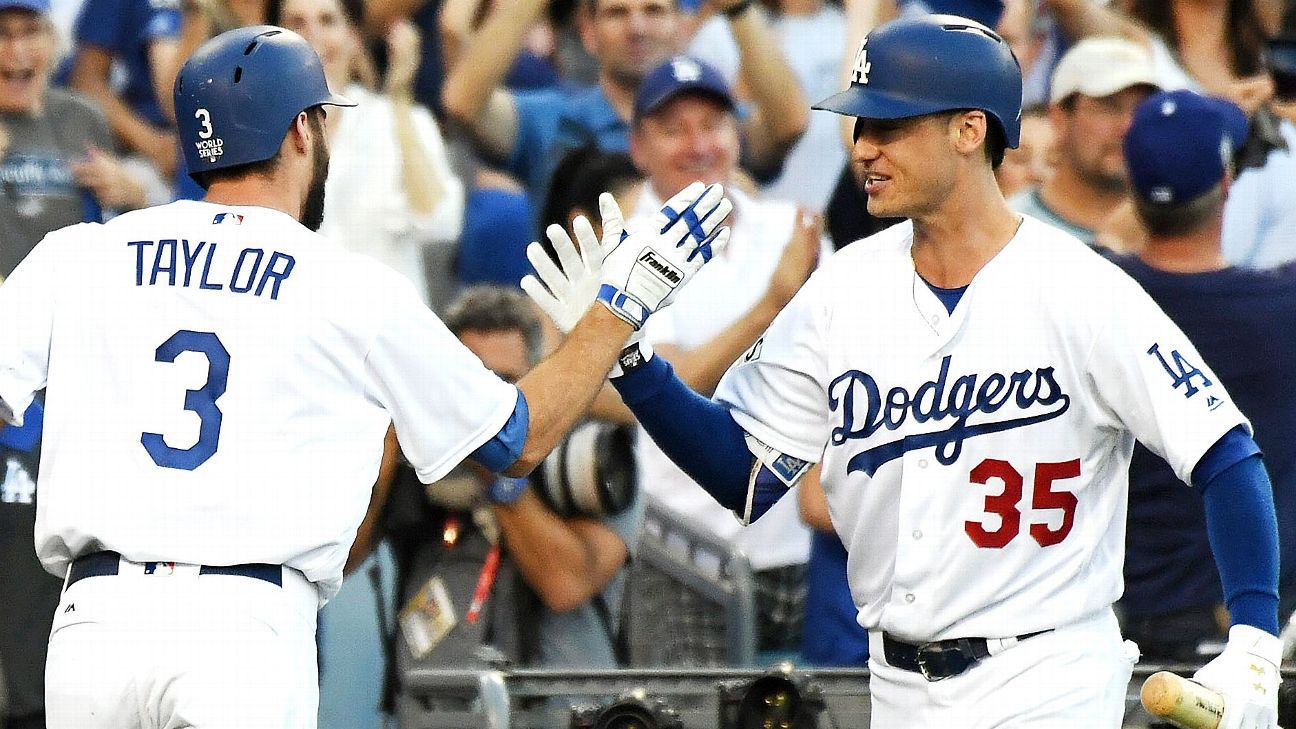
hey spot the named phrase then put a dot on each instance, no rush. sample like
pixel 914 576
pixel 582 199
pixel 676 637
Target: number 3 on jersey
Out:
pixel 1006 504
pixel 201 401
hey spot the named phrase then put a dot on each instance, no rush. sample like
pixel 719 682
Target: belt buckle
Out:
pixel 937 652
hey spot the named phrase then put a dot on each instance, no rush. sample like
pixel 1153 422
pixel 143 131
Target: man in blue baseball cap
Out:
pixel 685 126
pixel 1180 148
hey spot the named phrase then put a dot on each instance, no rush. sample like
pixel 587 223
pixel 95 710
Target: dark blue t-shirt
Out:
pixel 126 29
pixel 831 636
pixel 1243 322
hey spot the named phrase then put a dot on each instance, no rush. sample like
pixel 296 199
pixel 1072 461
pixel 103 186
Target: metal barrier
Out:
pixel 533 699
pixel 690 599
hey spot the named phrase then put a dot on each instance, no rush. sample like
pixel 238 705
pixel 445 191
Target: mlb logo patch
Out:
pixel 227 218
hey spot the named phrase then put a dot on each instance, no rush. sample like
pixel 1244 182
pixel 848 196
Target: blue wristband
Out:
pixel 633 311
pixel 506 491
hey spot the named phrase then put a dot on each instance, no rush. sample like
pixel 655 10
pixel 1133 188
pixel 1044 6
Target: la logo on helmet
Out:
pixel 859 74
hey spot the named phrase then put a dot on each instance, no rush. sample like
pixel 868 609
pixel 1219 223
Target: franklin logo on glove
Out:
pixel 671 275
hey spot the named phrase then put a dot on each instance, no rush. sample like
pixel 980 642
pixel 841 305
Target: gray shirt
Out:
pixel 1029 202
pixel 37 191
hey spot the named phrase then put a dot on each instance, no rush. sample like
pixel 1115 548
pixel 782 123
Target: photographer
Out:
pixel 490 568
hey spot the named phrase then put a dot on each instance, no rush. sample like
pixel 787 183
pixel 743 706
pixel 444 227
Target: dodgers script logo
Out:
pixel 1024 393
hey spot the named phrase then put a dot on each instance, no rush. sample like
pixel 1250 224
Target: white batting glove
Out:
pixel 570 287
pixel 1246 675
pixel 569 290
pixel 645 268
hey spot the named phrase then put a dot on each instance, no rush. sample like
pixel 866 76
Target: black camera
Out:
pixel 1280 58
pixel 781 697
pixel 632 710
pixel 591 473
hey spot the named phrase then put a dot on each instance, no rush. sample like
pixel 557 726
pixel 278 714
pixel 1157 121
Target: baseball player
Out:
pixel 973 381
pixel 220 379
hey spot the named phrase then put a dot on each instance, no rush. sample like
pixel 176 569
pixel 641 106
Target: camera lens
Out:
pixel 616 469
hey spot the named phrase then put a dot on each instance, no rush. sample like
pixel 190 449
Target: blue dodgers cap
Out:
pixel 1180 143
pixel 36 6
pixel 923 64
pixel 676 76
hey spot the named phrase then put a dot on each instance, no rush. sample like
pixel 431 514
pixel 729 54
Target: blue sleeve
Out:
pixel 1232 447
pixel 698 434
pixel 99 24
pixel 503 450
pixel 537 127
pixel 1243 532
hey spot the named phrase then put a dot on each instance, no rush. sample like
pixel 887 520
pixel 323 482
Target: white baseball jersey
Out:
pixel 976 462
pixel 220 382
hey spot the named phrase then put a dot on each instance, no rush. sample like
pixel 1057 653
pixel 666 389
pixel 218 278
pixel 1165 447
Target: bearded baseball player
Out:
pixel 220 379
pixel 973 382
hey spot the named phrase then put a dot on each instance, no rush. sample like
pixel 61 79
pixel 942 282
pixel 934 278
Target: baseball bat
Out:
pixel 1181 702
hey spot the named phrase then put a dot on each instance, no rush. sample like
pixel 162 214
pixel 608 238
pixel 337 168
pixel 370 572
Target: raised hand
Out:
pixel 569 287
pixel 648 264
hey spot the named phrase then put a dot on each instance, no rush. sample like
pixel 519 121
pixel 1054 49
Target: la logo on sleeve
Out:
pixel 1181 372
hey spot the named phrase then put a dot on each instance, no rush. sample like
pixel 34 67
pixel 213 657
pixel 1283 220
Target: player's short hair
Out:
pixel 490 308
pixel 995 143
pixel 265 167
pixel 1171 219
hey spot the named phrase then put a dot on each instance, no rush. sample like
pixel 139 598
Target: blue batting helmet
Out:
pixel 924 64
pixel 238 94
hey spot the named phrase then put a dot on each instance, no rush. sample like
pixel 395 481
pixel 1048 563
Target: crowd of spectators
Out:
pixel 481 122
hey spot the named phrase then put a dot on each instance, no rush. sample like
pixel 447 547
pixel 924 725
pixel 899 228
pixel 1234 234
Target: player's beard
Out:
pixel 313 208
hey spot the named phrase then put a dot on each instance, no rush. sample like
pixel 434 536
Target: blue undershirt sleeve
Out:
pixel 1242 528
pixel 503 450
pixel 1232 447
pixel 698 434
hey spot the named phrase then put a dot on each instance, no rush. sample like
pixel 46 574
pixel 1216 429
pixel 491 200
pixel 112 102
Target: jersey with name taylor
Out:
pixel 976 463
pixel 220 383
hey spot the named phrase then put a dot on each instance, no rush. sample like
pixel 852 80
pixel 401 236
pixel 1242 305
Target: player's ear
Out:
pixel 968 130
pixel 300 132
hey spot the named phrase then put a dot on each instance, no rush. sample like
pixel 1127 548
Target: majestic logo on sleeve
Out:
pixel 1026 398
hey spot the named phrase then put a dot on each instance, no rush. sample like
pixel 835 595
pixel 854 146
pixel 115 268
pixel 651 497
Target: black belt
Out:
pixel 101 564
pixel 940 659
